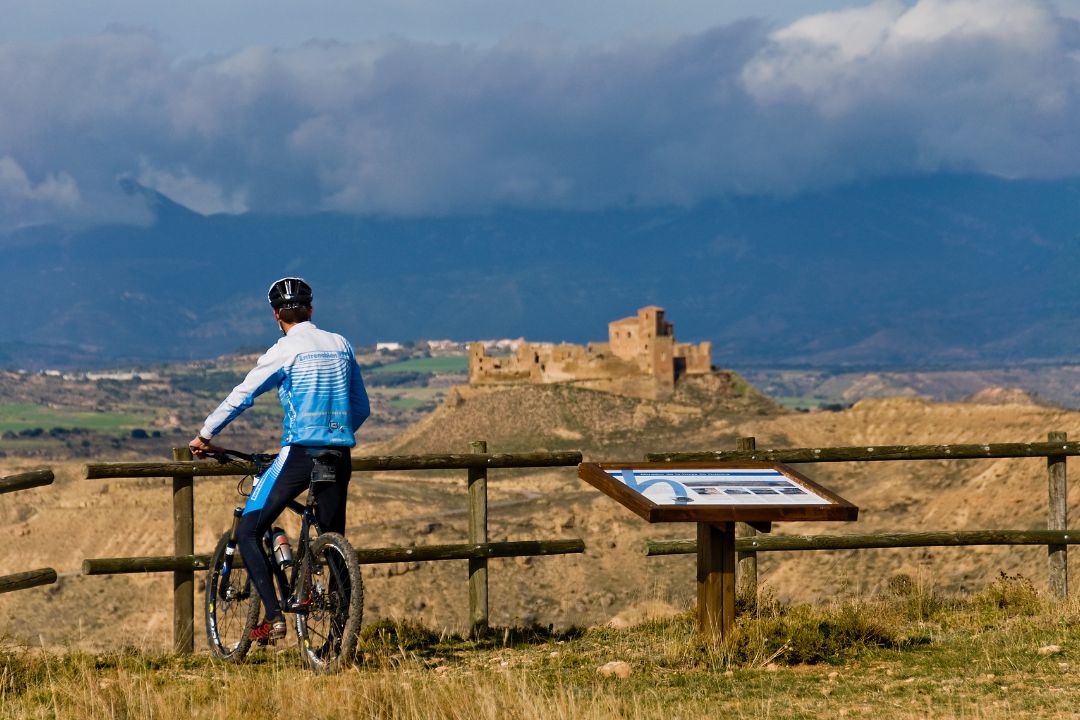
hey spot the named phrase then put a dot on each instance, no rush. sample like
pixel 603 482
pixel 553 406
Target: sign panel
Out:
pixel 712 492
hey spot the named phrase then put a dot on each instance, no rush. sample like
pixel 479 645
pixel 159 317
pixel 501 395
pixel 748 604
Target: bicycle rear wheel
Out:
pixel 334 591
pixel 232 606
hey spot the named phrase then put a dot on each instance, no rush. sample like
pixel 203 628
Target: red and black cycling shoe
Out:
pixel 268 632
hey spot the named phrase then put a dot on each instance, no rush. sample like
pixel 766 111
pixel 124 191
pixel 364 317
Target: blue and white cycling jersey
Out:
pixel 318 381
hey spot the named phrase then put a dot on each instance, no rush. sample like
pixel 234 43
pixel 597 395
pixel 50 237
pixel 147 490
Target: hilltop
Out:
pixel 517 418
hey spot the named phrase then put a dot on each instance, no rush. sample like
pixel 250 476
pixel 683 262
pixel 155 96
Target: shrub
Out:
pixel 805 634
pixel 1010 595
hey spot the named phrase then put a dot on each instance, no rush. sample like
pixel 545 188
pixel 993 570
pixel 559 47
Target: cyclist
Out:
pixel 318 381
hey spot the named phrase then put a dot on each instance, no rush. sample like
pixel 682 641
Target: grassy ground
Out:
pixel 442 364
pixel 913 654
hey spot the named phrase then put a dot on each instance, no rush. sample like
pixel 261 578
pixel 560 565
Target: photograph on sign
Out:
pixel 735 486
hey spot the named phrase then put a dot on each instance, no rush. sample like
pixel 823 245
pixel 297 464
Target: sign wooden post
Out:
pixel 716 579
pixel 716 496
pixel 746 575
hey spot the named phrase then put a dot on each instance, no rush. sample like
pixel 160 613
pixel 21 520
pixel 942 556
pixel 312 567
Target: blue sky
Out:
pixel 425 106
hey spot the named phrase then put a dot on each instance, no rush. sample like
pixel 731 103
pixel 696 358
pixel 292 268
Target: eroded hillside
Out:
pixel 76 518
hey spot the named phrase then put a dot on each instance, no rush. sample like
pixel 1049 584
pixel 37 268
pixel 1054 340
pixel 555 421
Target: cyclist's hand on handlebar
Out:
pixel 200 447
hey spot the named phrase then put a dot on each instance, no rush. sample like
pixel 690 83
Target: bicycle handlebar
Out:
pixel 223 455
pixel 260 460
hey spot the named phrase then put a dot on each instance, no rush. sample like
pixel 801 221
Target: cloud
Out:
pixel 198 194
pixel 977 85
pixel 21 197
pixel 400 126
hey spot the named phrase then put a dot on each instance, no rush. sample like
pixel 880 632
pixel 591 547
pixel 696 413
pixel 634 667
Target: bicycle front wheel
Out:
pixel 334 593
pixel 232 606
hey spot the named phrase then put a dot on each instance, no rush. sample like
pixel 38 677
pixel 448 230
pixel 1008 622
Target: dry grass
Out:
pixel 908 654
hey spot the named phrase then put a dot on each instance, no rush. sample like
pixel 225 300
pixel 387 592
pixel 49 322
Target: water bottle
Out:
pixel 282 549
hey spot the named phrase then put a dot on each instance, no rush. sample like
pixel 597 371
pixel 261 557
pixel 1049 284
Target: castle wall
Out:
pixel 661 354
pixel 697 358
pixel 640 349
pixel 624 338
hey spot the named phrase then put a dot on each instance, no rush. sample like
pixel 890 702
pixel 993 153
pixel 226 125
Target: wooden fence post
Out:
pixel 478 533
pixel 183 544
pixel 1058 519
pixel 747 561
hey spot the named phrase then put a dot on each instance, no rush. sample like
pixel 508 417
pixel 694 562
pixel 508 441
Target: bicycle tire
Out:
pixel 327 629
pixel 232 610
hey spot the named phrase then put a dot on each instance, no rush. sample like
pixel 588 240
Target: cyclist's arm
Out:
pixel 359 405
pixel 267 373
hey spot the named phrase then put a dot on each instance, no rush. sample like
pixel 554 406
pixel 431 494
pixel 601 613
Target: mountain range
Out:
pixel 918 272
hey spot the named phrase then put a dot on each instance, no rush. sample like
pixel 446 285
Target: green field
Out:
pixel 448 364
pixel 27 416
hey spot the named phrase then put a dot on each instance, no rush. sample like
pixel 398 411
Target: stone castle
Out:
pixel 640 358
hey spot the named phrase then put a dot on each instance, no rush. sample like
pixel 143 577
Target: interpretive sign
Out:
pixel 715 496
pixel 716 492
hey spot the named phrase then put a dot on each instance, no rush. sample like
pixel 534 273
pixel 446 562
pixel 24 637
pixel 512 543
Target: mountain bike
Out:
pixel 320 584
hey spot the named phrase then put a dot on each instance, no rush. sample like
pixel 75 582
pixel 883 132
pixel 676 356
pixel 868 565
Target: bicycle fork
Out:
pixel 230 551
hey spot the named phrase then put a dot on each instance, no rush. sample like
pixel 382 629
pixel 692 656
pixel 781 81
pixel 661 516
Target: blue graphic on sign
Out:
pixel 678 488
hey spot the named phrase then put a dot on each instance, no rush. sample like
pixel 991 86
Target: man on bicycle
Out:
pixel 318 381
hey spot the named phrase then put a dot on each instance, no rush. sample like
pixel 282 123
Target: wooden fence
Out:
pixel 184 562
pixel 1056 538
pixel 40 576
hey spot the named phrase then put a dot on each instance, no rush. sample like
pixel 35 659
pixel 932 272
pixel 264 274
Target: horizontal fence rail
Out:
pixel 469 551
pixel 28 579
pixel 26 480
pixel 779 543
pixel 881 452
pixel 150 564
pixel 366 556
pixel 461 461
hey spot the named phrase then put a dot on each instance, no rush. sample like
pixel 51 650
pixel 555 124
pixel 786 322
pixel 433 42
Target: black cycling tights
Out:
pixel 288 480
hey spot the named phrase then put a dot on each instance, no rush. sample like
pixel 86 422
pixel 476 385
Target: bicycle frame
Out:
pixel 287 586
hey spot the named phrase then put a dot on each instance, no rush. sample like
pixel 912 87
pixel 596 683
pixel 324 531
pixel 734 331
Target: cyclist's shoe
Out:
pixel 267 632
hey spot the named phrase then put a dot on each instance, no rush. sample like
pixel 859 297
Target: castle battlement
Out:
pixel 640 357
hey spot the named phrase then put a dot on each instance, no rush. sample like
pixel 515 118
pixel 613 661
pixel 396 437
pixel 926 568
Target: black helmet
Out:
pixel 289 292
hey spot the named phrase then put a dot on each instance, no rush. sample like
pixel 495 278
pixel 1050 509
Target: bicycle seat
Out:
pixel 325 468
